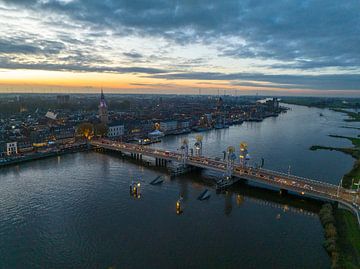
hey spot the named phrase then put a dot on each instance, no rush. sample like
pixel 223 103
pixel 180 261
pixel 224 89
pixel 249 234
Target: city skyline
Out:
pixel 177 47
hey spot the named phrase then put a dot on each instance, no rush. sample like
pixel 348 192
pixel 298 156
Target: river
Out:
pixel 75 211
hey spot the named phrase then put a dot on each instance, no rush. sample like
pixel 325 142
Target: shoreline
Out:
pixel 37 156
pixel 347 227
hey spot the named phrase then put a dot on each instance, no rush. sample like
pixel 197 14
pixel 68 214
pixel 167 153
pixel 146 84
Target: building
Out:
pixel 63 99
pixel 2 149
pixel 115 130
pixel 11 148
pixel 103 111
pixel 184 124
pixel 169 125
pixel 24 146
pixel 208 118
pixel 51 115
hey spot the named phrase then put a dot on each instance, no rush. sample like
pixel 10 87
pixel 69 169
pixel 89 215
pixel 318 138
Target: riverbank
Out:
pixel 352 116
pixel 342 236
pixel 353 176
pixel 345 248
pixel 348 240
pixel 41 155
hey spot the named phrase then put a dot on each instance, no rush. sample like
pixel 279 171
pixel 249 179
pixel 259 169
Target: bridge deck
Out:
pixel 280 180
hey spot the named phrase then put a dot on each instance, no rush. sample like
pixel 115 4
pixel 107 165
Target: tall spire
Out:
pixel 102 99
pixel 102 94
pixel 103 112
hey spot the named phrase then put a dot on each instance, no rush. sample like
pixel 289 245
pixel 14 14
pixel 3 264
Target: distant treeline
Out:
pixel 31 104
pixel 323 102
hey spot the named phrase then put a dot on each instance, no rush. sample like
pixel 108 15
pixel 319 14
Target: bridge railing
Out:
pixel 291 176
pixel 193 158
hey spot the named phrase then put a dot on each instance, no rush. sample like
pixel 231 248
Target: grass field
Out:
pixel 348 241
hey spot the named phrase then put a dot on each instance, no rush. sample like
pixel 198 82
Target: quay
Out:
pixel 182 161
pixel 41 155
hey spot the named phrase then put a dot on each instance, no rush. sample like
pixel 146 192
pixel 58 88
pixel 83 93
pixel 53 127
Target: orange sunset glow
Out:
pixel 46 46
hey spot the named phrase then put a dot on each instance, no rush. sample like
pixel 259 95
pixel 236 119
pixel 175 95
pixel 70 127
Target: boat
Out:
pixel 321 114
pixel 158 180
pixel 204 195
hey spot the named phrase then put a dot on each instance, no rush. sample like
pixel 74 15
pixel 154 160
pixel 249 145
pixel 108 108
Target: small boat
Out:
pixel 321 114
pixel 204 195
pixel 158 180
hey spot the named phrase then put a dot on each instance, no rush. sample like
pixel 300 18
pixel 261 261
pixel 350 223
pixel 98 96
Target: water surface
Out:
pixel 75 211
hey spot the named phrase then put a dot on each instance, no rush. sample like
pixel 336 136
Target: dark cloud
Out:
pixel 327 33
pixel 304 35
pixel 9 64
pixel 21 45
pixel 320 82
pixel 133 55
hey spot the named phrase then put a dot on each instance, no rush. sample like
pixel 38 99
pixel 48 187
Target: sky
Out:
pixel 277 47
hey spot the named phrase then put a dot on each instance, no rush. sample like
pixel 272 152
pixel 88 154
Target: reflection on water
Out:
pixel 75 211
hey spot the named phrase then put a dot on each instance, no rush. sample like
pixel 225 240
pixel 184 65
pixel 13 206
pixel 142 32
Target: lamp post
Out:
pixel 340 184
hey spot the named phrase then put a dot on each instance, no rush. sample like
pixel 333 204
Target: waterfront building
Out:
pixel 63 134
pixel 115 130
pixel 11 148
pixel 208 118
pixel 184 124
pixel 2 149
pixel 103 110
pixel 24 146
pixel 168 125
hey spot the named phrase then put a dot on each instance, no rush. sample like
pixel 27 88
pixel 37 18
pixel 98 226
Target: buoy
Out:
pixel 178 207
pixel 135 190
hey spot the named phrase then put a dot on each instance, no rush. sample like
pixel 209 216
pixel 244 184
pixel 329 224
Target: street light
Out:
pixel 340 184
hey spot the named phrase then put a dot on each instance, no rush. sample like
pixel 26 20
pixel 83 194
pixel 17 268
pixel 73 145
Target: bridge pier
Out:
pixel 283 191
pixel 181 162
pixel 180 169
pixel 161 162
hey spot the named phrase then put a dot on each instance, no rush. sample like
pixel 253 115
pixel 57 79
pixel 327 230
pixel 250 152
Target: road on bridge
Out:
pixel 303 186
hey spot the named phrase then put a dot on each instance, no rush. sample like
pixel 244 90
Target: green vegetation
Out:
pixel 354 140
pixel 100 129
pixel 354 175
pixel 353 116
pixel 330 244
pixel 348 242
pixel 350 127
pixel 86 130
pixel 342 233
pixel 323 102
pixel 342 237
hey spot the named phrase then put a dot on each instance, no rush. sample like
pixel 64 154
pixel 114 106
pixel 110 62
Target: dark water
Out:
pixel 75 211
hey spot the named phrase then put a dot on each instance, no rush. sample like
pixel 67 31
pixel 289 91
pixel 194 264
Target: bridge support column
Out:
pixel 283 192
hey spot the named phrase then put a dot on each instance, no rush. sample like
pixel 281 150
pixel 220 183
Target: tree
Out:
pixel 101 129
pixel 86 130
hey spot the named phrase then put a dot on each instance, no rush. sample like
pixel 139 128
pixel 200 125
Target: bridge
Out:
pixel 232 172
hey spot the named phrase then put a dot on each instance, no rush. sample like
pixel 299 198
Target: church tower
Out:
pixel 103 112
